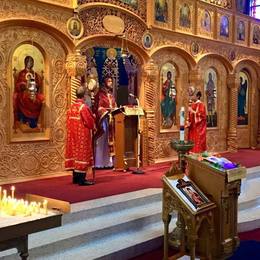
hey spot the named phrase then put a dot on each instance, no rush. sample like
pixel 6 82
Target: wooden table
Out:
pixel 14 230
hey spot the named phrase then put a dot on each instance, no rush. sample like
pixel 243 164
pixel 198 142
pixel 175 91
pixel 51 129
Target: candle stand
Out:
pixel 182 148
pixel 20 218
pixel 15 232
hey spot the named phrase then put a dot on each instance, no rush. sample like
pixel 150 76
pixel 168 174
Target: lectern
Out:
pixel 126 137
pixel 223 188
pixel 195 212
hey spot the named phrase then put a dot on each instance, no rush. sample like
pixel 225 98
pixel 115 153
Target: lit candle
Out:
pixel 39 207
pixel 25 208
pixel 45 208
pixel 4 194
pixel 34 207
pixel 182 123
pixel 12 190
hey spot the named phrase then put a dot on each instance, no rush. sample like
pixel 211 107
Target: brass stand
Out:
pixel 182 148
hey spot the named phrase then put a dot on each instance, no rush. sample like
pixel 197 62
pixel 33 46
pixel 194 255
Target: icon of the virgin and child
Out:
pixel 27 98
pixel 192 193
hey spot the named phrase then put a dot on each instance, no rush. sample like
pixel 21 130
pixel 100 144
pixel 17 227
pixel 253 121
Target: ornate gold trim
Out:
pixel 178 27
pixel 87 6
pixel 230 20
pixel 201 11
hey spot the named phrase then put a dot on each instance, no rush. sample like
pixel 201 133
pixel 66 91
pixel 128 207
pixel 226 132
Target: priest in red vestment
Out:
pixel 104 105
pixel 197 124
pixel 79 155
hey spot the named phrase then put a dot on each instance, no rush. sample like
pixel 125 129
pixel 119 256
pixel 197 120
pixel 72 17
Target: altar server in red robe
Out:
pixel 104 105
pixel 79 155
pixel 197 124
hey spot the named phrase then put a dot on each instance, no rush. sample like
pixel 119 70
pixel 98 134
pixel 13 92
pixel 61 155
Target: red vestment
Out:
pixel 104 101
pixel 80 121
pixel 104 104
pixel 198 127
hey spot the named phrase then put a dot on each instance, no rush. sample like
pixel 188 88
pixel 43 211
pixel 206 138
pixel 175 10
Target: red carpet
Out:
pixel 111 183
pixel 250 235
pixel 107 183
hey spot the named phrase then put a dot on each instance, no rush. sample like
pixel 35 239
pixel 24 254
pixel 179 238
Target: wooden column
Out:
pixel 258 131
pixel 196 80
pixel 232 83
pixel 76 67
pixel 151 81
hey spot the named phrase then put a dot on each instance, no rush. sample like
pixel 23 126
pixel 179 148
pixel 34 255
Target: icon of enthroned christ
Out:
pixel 27 98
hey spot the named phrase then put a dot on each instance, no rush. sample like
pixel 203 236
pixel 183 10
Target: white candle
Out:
pixel 4 194
pixel 39 207
pixel 45 208
pixel 182 122
pixel 12 190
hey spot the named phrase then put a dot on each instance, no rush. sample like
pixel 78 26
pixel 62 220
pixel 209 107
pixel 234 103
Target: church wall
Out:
pixel 180 41
pixel 54 16
pixel 65 3
pixel 216 135
pixel 33 153
pixel 161 57
pixel 33 156
pixel 191 42
pixel 211 48
pixel 247 134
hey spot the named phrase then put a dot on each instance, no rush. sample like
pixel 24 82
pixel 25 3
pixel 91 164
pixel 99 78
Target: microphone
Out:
pixel 135 97
pixel 132 95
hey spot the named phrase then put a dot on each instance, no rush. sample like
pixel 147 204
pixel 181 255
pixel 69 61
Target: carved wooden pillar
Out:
pixel 196 80
pixel 258 131
pixel 232 83
pixel 76 66
pixel 150 80
pixel 150 15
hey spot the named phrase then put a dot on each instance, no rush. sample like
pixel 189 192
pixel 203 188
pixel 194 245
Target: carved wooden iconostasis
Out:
pixel 27 150
pixel 189 59
pixel 30 149
pixel 165 131
pixel 168 44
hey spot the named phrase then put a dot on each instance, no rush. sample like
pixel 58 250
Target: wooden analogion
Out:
pixel 223 188
pixel 195 222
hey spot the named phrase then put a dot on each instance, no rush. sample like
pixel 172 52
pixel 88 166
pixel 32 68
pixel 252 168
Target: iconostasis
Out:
pixel 154 50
